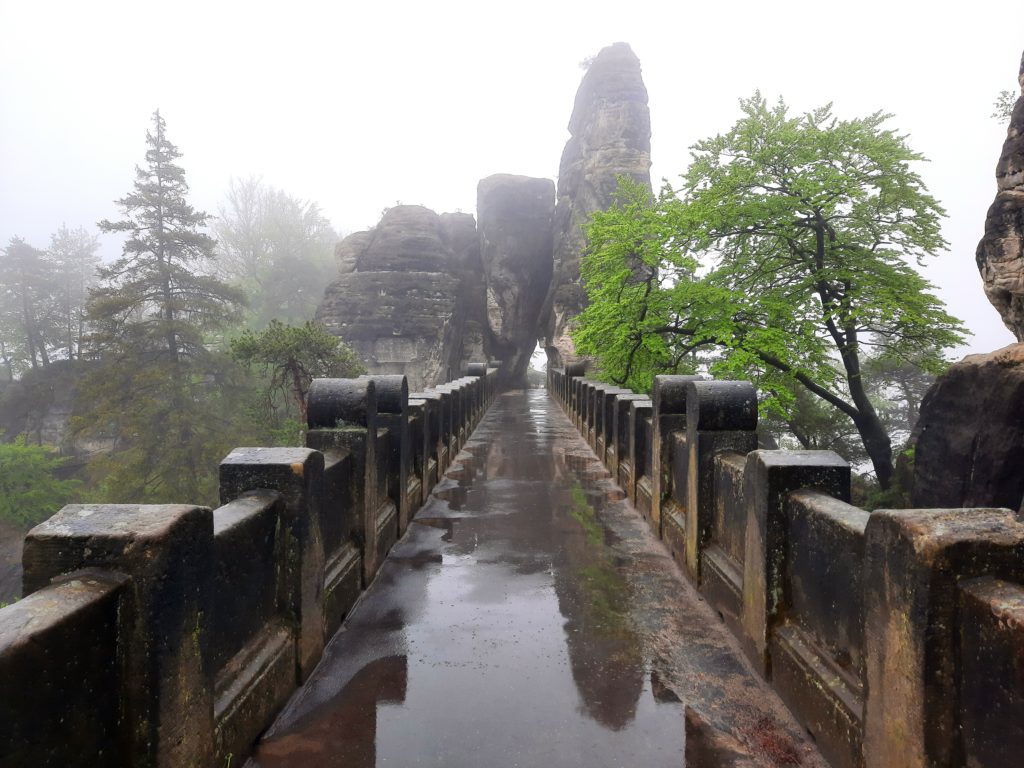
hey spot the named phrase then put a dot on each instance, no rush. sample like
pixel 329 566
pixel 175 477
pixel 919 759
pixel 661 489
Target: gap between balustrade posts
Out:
pixel 171 635
pixel 896 637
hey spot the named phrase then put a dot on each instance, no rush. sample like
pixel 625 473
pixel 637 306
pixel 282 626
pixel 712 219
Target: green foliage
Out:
pixel 805 228
pixel 158 389
pixel 30 490
pixel 291 357
pixel 1002 109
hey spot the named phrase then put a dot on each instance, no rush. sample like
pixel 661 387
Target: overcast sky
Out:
pixel 414 102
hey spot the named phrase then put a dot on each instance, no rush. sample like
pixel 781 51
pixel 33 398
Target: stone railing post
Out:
pixel 393 415
pixel 914 562
pixel 721 416
pixel 298 475
pixel 668 395
pixel 768 479
pixel 342 413
pixel 617 451
pixel 636 440
pixel 431 434
pixel 166 551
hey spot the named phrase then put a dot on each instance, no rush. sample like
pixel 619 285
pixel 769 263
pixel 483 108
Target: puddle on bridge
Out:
pixel 503 630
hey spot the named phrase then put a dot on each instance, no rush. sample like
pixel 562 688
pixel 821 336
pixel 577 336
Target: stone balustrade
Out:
pixel 171 635
pixel 896 637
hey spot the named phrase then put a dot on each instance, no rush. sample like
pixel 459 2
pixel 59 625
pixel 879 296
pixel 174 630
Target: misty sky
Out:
pixel 414 102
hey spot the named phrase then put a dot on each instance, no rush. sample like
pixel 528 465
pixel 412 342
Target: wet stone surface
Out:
pixel 529 619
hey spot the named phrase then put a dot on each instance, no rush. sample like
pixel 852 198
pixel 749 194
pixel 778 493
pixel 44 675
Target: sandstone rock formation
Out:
pixel 422 294
pixel 515 216
pixel 403 294
pixel 610 136
pixel 1000 253
pixel 969 439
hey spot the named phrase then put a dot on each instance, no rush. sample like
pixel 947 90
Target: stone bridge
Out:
pixel 581 576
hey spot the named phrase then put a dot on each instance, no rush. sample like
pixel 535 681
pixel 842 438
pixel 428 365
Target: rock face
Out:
pixel 1000 253
pixel 404 292
pixel 422 294
pixel 610 136
pixel 969 439
pixel 515 216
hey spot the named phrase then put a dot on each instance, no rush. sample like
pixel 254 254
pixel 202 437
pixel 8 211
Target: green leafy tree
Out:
pixel 277 248
pixel 291 357
pixel 805 228
pixel 30 488
pixel 157 383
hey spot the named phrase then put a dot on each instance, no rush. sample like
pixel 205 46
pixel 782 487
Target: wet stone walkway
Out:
pixel 528 618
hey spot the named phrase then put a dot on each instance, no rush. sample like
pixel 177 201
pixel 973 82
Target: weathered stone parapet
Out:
pixel 721 416
pixel 668 394
pixel 724 552
pixel 342 418
pixel 336 402
pixel 893 636
pixel 298 475
pixel 817 649
pixel 914 562
pixel 61 658
pixel 639 446
pixel 769 477
pixel 416 486
pixel 163 633
pixel 393 416
pixel 253 642
pixel 992 671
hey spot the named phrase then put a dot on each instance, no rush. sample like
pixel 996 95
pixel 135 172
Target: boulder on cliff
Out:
pixel 402 293
pixel 610 136
pixel 515 215
pixel 1000 253
pixel 969 439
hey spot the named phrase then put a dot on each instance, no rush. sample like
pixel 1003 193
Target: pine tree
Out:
pixel 27 281
pixel 153 388
pixel 72 253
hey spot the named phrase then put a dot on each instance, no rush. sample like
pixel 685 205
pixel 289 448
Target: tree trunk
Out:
pixel 878 445
pixel 872 431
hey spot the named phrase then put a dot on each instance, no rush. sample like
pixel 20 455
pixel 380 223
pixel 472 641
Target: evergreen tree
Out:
pixel 72 254
pixel 27 315
pixel 291 357
pixel 155 385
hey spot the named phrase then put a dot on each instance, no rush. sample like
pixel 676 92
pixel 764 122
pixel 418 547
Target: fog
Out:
pixel 360 108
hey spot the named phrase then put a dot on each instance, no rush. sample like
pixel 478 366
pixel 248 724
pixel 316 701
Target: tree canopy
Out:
pixel 30 490
pixel 277 248
pixel 785 256
pixel 291 357
pixel 156 378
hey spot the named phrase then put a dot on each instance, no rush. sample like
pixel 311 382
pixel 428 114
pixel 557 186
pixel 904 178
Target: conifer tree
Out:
pixel 153 389
pixel 72 253
pixel 26 306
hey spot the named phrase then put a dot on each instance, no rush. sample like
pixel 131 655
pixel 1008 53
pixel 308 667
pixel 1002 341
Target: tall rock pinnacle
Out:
pixel 1000 253
pixel 610 136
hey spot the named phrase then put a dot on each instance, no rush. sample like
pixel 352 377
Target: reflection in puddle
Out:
pixel 517 643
